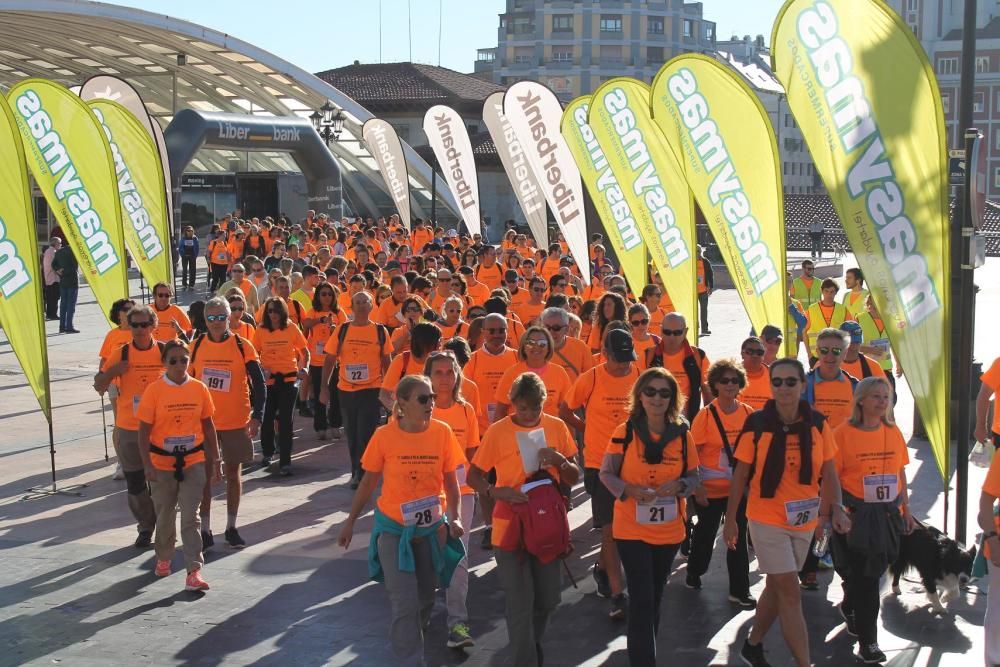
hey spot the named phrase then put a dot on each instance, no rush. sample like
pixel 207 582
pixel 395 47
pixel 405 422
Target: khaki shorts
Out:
pixel 779 550
pixel 127 446
pixel 236 446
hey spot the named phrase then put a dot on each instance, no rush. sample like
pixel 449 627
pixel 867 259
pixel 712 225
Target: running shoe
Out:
pixel 119 473
pixel 619 607
pixel 459 636
pixel 601 579
pixel 234 540
pixel 144 540
pixel 194 582
pixel 744 600
pixel 162 568
pixel 753 655
pixel 871 654
pixel 693 581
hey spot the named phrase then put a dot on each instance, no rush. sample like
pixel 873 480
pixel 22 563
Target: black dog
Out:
pixel 943 565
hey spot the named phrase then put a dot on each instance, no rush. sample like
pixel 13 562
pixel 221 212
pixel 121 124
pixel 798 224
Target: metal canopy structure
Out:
pixel 71 40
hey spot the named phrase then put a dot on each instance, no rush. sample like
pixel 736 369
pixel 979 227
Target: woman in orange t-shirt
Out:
pixel 871 464
pixel 423 340
pixel 451 323
pixel 650 466
pixel 284 355
pixel 715 451
pixel 535 353
pixel 114 340
pixel 610 308
pixel 642 340
pixel 318 324
pixel 415 457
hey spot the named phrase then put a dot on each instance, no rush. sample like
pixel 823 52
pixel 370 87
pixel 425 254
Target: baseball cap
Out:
pixel 452 233
pixel 854 329
pixel 566 260
pixel 619 347
pixel 392 265
pixel 770 331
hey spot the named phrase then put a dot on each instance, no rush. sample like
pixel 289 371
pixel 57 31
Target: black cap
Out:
pixel 770 331
pixel 619 346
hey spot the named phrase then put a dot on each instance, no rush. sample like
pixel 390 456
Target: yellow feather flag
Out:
pixel 868 104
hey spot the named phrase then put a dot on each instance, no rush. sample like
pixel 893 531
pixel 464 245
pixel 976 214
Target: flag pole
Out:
pixel 44 491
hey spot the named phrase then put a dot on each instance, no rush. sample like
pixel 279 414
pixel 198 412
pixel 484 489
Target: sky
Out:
pixel 348 30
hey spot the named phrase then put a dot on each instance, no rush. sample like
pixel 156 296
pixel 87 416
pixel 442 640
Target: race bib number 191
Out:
pixel 217 379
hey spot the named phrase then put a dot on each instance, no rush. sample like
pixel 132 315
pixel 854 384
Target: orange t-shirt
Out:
pixel 321 332
pixel 448 332
pixel 244 329
pixel 640 350
pixel 528 312
pixel 279 349
pixel 396 370
pixel 758 389
pixel 675 364
pixel 361 358
pixel 518 299
pixel 652 524
pixel 499 451
pixel 991 378
pixel 794 506
pixel 464 423
pixel 412 467
pixel 144 367
pixel 113 340
pixel 864 457
pixel 222 369
pixel 605 399
pixel 556 381
pixel 486 370
pixel 478 293
pixel 491 276
pixel 164 330
pixel 218 252
pixel 175 412
pixel 991 485
pixel 387 313
pixel 574 357
pixel 854 367
pixel 832 398
pixel 295 311
pixel 716 470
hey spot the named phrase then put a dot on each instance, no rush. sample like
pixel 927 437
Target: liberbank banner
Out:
pixel 724 141
pixel 535 114
pixel 68 154
pixel 449 139
pixel 868 105
pixel 654 187
pixel 515 163
pixel 383 143
pixel 606 193
pixel 20 276
pixel 140 186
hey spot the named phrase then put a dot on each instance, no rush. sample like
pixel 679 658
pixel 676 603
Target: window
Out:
pixel 611 53
pixel 654 54
pixel 562 54
pixel 947 66
pixel 784 168
pixel 688 27
pixel 403 131
pixel 562 23
pixel 522 26
pixel 911 5
pixel 996 140
pixel 524 55
pixel 979 103
pixel 710 32
pixel 982 64
pixel 946 103
pixel 996 177
pixel 611 22
pixel 654 25
pixel 486 55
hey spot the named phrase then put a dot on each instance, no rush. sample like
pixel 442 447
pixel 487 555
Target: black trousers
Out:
pixel 647 568
pixel 703 543
pixel 279 405
pixel 188 271
pixel 324 416
pixel 861 593
pixel 816 243
pixel 360 411
pixel 217 276
pixel 703 309
pixel 51 294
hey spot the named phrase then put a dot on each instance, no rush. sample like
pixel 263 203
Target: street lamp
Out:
pixel 328 122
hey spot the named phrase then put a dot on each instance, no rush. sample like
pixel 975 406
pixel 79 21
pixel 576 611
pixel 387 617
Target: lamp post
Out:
pixel 328 122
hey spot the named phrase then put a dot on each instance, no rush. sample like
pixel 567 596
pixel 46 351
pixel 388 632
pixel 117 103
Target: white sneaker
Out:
pixel 119 473
pixel 321 435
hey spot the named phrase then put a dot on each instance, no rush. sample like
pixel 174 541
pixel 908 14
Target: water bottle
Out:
pixel 982 455
pixel 823 541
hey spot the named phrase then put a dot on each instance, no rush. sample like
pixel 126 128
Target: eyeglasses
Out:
pixel 728 380
pixel 640 323
pixel 424 399
pixel 216 318
pixel 178 360
pixel 496 330
pixel 754 352
pixel 237 309
pixel 650 392
pixel 555 328
pixel 140 325
pixel 531 342
pixel 673 332
pixel 835 351
pixel 788 382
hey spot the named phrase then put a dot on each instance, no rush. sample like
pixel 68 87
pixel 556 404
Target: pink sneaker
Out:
pixel 162 568
pixel 194 582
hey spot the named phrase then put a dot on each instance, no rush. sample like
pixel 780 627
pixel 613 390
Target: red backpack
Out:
pixel 539 526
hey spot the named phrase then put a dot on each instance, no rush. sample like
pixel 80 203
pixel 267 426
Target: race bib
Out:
pixel 320 348
pixel 135 404
pixel 881 346
pixel 356 372
pixel 222 256
pixel 881 488
pixel 178 443
pixel 801 512
pixel 661 510
pixel 217 379
pixel 422 512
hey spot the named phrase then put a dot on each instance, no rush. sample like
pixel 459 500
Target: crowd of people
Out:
pixel 463 375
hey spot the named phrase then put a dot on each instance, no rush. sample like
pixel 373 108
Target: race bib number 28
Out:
pixel 422 512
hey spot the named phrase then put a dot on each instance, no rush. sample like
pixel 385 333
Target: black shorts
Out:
pixel 996 439
pixel 602 503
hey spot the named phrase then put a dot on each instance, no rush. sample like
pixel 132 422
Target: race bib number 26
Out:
pixel 800 512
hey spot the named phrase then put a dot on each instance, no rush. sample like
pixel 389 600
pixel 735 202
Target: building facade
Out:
pixel 574 46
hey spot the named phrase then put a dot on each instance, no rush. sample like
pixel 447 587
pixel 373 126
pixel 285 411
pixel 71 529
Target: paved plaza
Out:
pixel 73 590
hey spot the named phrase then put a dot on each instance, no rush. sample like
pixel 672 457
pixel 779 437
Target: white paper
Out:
pixel 532 485
pixel 529 442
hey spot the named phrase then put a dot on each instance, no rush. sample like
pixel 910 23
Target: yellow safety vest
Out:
pixel 817 322
pixel 858 305
pixel 875 337
pixel 807 295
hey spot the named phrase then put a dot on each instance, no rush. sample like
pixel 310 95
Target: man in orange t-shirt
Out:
pixel 571 353
pixel 488 271
pixel 389 314
pixel 828 388
pixel 675 354
pixel 488 364
pixel 171 321
pixel 990 384
pixel 757 391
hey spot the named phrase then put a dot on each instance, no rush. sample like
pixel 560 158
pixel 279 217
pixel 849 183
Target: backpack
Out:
pixel 627 439
pixel 810 392
pixel 342 335
pixel 692 369
pixel 201 337
pixel 539 526
pixel 126 346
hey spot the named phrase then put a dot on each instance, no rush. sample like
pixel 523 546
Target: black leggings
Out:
pixel 328 415
pixel 647 568
pixel 188 271
pixel 279 405
pixel 861 593
pixel 217 276
pixel 703 542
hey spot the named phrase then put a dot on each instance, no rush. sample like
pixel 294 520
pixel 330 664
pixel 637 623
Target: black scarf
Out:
pixel 653 449
pixel 774 464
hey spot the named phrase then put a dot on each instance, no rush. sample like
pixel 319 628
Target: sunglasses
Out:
pixel 640 323
pixel 788 382
pixel 673 332
pixel 754 352
pixel 496 330
pixel 237 309
pixel 729 380
pixel 216 318
pixel 178 360
pixel 536 343
pixel 555 328
pixel 650 392
pixel 140 325
pixel 424 399
pixel 835 351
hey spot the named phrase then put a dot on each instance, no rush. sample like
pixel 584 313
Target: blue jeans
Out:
pixel 67 306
